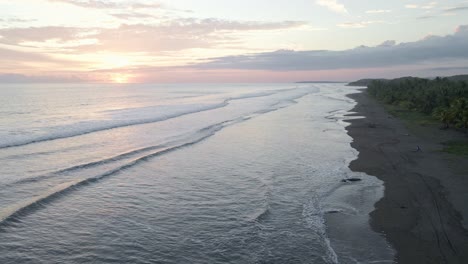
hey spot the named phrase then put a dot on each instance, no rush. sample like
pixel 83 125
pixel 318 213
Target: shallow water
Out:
pixel 181 174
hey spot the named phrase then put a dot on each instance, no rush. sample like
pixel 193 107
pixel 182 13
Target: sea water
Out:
pixel 186 173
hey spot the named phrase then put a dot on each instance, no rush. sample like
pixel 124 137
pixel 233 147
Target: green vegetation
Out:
pixel 364 82
pixel 443 99
pixel 412 118
pixel 459 77
pixel 456 147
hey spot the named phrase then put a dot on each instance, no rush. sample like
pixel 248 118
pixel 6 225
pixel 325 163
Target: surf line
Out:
pixel 133 122
pixel 25 208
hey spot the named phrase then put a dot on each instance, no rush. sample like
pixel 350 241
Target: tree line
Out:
pixel 444 99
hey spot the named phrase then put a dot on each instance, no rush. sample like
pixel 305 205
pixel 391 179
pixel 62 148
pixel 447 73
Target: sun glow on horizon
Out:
pixel 120 78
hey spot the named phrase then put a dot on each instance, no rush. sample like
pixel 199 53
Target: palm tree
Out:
pixel 459 109
pixel 444 115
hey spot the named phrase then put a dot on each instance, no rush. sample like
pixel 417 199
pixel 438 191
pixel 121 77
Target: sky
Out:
pixel 143 41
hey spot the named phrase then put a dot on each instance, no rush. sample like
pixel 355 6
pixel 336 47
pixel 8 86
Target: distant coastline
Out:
pixel 320 82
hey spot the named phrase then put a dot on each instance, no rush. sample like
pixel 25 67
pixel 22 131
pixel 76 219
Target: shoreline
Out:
pixel 421 214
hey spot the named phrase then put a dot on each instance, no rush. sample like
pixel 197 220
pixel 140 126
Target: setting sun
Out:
pixel 120 78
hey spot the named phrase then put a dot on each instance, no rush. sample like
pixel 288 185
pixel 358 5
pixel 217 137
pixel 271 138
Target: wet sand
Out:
pixel 423 213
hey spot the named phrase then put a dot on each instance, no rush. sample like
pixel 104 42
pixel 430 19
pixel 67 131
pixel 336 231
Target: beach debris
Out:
pixel 354 179
pixel 418 149
pixel 351 180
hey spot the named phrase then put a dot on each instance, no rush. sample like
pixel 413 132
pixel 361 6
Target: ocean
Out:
pixel 182 173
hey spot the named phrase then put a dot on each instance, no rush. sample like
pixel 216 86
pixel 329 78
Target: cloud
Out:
pixel 21 78
pixel 361 24
pixel 172 35
pixel 427 16
pixel 388 43
pixel 454 68
pixel 36 64
pixel 462 29
pixel 432 50
pixel 144 5
pixel 25 61
pixel 8 55
pixel 132 15
pixel 456 9
pixel 445 12
pixel 379 11
pixel 14 36
pixel 427 6
pixel 430 5
pixel 106 4
pixel 90 3
pixel 332 5
pixel 16 20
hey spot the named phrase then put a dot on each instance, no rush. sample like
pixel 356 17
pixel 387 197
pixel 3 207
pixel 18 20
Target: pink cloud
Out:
pixel 169 36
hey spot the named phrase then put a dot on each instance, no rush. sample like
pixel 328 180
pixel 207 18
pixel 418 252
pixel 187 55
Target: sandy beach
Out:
pixel 423 213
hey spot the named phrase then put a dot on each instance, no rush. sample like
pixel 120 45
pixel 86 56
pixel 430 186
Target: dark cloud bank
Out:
pixel 432 49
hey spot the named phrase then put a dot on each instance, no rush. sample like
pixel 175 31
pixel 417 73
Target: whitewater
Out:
pixel 182 173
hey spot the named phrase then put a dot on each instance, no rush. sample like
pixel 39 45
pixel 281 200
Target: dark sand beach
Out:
pixel 423 213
